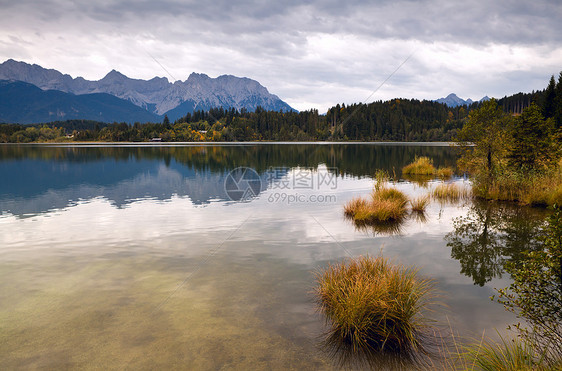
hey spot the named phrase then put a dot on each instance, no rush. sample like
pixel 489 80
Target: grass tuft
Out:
pixel 374 306
pixel 389 194
pixel 386 205
pixel 450 192
pixel 420 166
pixel 535 187
pixel 444 172
pixel 419 204
pixel 506 355
pixel 354 206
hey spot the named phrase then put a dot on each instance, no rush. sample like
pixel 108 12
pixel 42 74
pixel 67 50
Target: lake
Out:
pixel 203 256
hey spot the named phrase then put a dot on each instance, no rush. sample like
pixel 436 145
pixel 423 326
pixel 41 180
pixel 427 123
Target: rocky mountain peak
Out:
pixel 114 75
pixel 157 95
pixel 452 100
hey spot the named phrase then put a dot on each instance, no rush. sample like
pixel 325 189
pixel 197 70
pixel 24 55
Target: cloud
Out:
pixel 313 53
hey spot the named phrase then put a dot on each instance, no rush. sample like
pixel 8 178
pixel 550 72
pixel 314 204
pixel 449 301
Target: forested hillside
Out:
pixel 393 120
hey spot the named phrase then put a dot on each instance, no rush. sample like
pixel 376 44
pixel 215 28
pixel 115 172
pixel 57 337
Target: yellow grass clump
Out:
pixel 354 206
pixel 507 354
pixel 419 204
pixel 374 306
pixel 386 205
pixel 527 189
pixel 450 192
pixel 421 166
pixel 444 172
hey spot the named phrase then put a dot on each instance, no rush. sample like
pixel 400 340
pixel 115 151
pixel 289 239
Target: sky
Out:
pixel 312 54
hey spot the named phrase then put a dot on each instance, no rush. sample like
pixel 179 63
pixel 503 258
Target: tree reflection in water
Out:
pixel 492 234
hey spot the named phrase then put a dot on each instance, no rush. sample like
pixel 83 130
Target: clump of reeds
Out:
pixel 421 166
pixel 373 306
pixel 507 354
pixel 354 206
pixel 419 204
pixel 444 172
pixel 381 178
pixel 527 189
pixel 535 187
pixel 514 354
pixel 385 205
pixel 450 192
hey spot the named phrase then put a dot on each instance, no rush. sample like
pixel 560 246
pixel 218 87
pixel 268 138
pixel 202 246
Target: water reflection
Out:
pixel 492 234
pixel 132 230
pixel 375 228
pixel 37 179
pixel 345 357
pixel 349 158
pixel 419 180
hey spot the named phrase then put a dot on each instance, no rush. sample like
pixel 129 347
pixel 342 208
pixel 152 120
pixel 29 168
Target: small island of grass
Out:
pixel 386 204
pixel 424 166
pixel 372 306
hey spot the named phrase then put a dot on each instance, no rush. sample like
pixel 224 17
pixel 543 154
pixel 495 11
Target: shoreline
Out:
pixel 185 144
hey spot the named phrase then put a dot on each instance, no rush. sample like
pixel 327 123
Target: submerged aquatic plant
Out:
pixel 373 306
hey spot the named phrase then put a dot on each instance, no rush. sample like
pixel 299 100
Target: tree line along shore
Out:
pixel 407 120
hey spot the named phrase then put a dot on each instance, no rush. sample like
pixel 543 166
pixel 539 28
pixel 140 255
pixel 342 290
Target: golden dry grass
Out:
pixel 420 166
pixel 527 189
pixel 444 172
pixel 450 192
pixel 353 206
pixel 419 204
pixel 385 205
pixel 374 306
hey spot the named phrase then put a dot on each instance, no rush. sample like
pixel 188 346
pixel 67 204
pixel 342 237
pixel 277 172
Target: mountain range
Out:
pixel 33 94
pixel 452 100
pixel 155 97
pixel 24 103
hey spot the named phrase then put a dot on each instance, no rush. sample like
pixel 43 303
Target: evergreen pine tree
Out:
pixel 549 95
pixel 532 141
pixel 558 103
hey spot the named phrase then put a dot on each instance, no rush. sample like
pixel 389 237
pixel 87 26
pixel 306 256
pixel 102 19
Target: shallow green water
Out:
pixel 136 257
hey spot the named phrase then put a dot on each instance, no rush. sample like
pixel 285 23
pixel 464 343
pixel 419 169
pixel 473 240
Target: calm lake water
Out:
pixel 143 257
